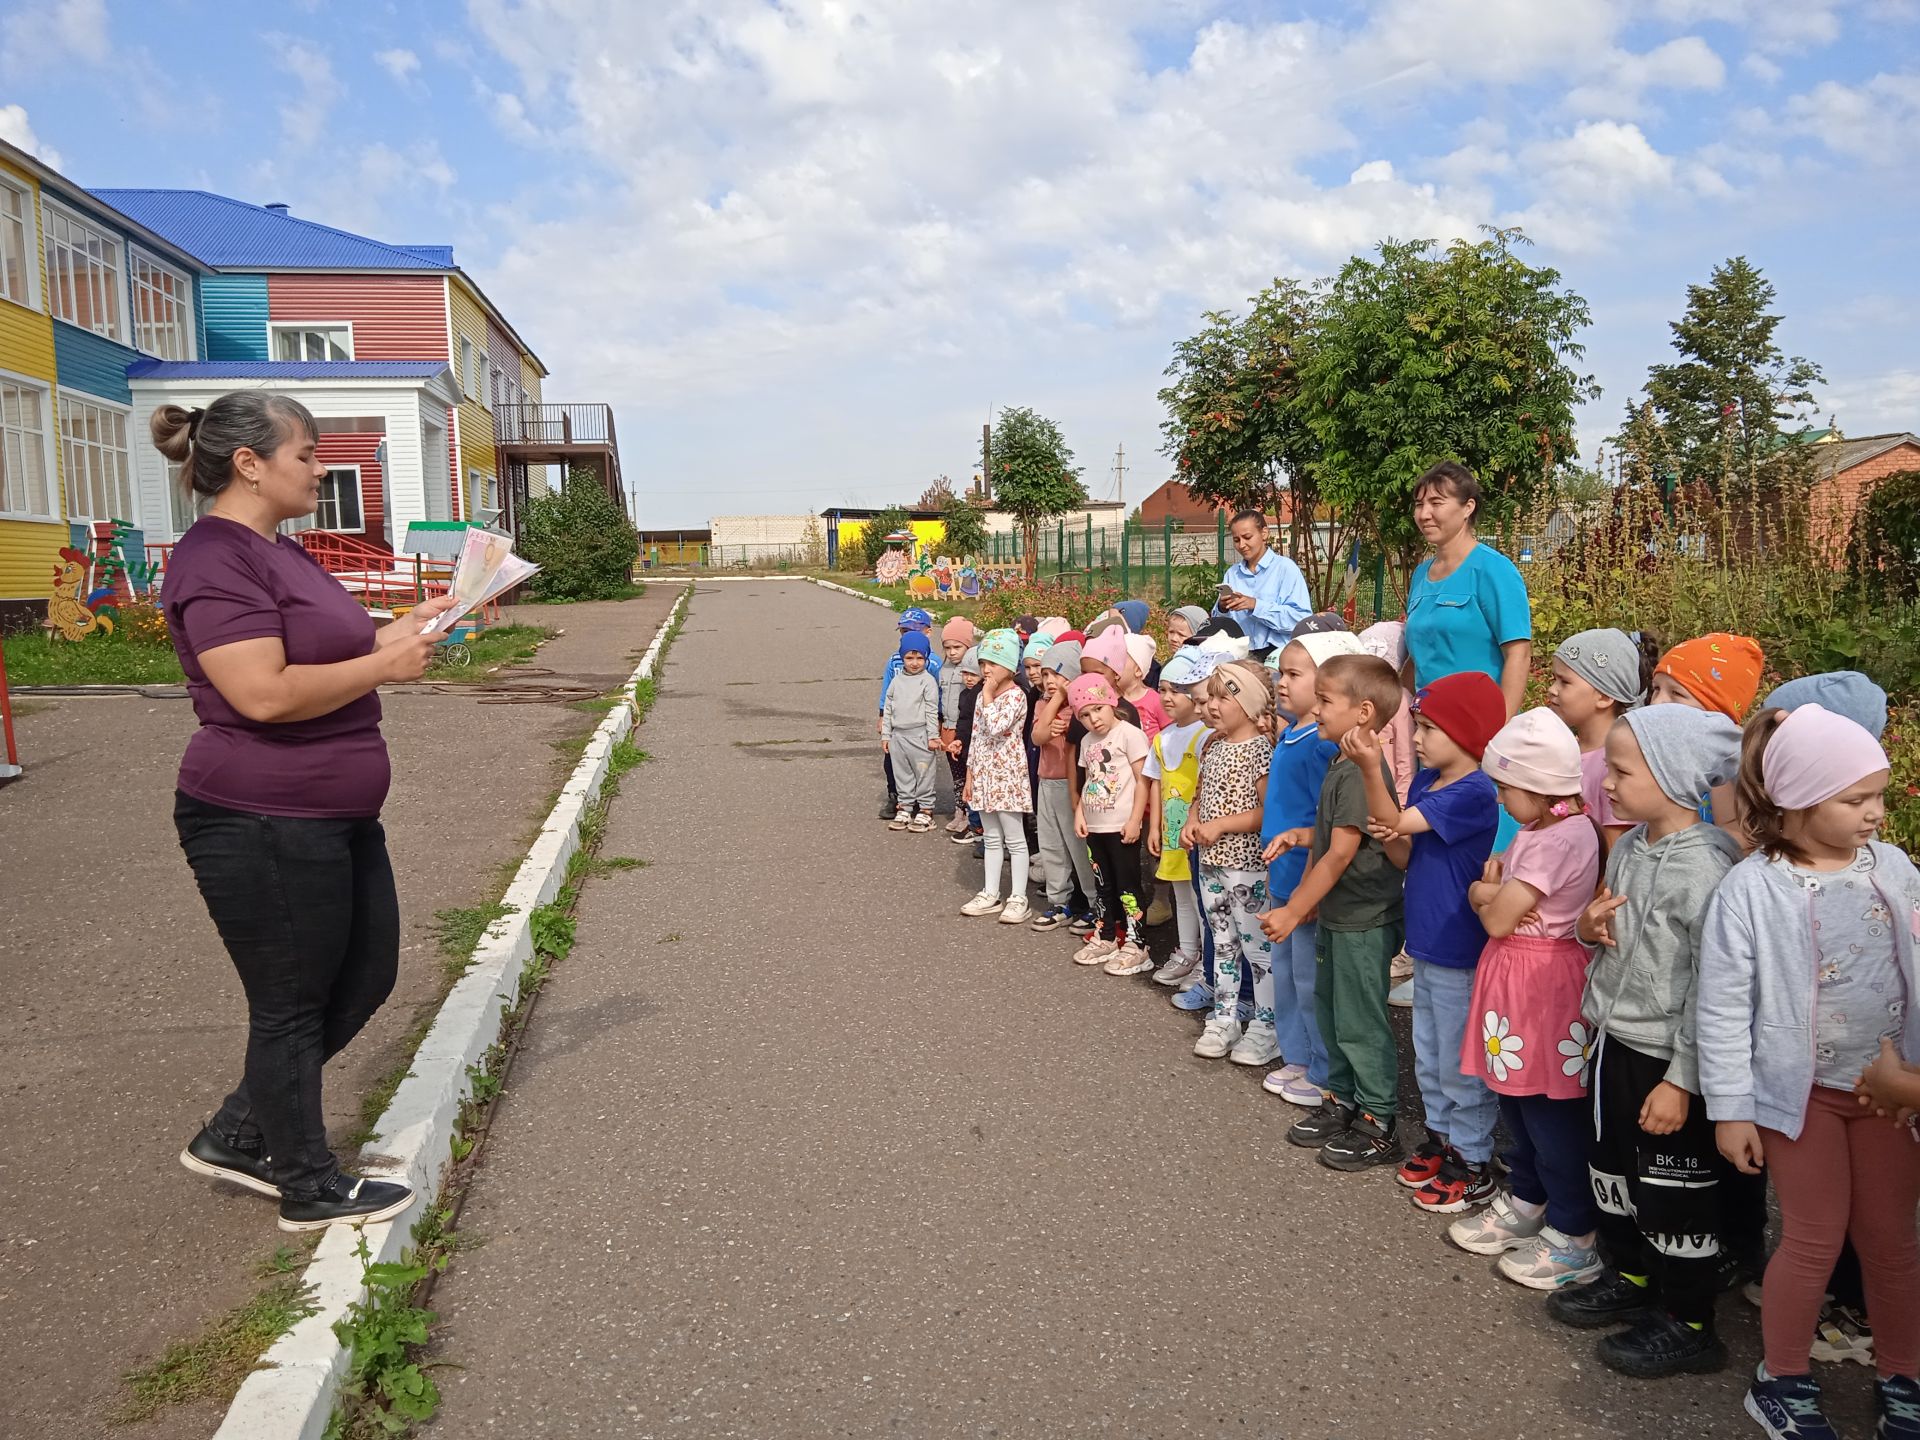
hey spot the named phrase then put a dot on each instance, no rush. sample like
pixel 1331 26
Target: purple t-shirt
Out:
pixel 226 583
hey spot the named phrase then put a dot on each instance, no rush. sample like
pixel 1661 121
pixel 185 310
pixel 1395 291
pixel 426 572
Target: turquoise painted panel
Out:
pixel 199 318
pixel 87 363
pixel 235 310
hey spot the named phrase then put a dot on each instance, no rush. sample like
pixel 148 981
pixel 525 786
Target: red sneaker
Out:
pixel 1422 1165
pixel 1459 1186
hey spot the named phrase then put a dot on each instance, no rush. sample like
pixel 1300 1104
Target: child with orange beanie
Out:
pixel 1717 672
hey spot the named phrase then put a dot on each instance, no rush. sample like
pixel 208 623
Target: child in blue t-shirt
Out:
pixel 1442 840
pixel 1299 768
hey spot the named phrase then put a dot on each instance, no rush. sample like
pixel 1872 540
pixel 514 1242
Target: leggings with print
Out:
pixel 1112 880
pixel 1234 900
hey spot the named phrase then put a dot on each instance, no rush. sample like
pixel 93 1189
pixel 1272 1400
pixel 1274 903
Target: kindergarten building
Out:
pixel 114 302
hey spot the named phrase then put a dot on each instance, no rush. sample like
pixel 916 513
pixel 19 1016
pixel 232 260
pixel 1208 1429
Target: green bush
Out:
pixel 582 541
pixel 873 539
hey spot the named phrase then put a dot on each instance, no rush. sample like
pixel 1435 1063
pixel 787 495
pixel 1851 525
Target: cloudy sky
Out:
pixel 804 248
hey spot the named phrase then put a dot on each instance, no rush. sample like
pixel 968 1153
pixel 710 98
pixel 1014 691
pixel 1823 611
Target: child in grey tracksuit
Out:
pixel 909 728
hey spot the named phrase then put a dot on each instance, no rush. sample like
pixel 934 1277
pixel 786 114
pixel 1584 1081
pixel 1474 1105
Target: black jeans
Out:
pixel 308 913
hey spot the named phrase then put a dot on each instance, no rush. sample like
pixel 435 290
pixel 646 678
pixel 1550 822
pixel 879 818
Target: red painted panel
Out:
pixel 336 448
pixel 395 317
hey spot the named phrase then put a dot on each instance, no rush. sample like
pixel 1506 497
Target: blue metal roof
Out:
pixel 232 234
pixel 285 369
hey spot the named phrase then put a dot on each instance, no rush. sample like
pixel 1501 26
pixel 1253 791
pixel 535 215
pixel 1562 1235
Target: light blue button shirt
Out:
pixel 1280 599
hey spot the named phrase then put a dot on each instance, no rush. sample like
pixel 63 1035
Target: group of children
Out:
pixel 1667 955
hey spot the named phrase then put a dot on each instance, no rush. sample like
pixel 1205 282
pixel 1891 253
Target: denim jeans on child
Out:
pixel 1460 1107
pixel 1296 968
pixel 309 915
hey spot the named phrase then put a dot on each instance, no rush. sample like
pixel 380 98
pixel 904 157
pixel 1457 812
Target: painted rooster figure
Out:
pixel 68 616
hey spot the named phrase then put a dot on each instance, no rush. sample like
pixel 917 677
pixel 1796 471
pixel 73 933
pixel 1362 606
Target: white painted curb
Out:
pixel 879 600
pixel 293 1397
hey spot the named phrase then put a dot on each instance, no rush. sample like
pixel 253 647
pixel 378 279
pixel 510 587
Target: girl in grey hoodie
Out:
pixel 1806 965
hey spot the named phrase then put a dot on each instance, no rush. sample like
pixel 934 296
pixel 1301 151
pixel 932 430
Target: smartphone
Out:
pixel 1225 591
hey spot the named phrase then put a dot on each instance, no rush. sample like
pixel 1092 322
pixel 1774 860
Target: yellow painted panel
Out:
pixel 28 555
pixel 927 534
pixel 530 380
pixel 26 336
pixel 476 421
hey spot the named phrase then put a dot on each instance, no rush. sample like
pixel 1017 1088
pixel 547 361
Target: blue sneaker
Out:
pixel 1898 1400
pixel 1051 918
pixel 1788 1408
pixel 1080 924
pixel 1196 997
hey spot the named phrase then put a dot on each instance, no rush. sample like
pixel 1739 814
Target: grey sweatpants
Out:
pixel 1063 854
pixel 912 755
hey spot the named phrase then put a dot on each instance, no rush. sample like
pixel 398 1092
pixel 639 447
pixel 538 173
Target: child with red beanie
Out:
pixel 1442 840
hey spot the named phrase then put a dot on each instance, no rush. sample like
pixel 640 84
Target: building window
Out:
pixel 17 269
pixel 312 342
pixel 93 445
pixel 83 275
pixel 184 506
pixel 339 507
pixel 24 464
pixel 466 365
pixel 162 310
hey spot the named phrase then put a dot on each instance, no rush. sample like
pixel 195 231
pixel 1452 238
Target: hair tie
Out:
pixel 193 421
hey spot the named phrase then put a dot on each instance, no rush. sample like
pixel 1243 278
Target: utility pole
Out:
pixel 1120 475
pixel 986 459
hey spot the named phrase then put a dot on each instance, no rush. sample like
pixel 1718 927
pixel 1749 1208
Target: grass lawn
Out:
pixel 626 592
pixel 490 649
pixel 39 659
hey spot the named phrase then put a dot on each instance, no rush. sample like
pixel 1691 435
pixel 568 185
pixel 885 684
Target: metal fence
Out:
pixel 671 554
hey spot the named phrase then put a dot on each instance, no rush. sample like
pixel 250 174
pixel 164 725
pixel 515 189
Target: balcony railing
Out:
pixel 554 425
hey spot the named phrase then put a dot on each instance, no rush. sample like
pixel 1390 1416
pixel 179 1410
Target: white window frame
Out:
pixel 312 522
pixel 277 328
pixel 9 446
pixel 485 395
pixel 181 298
pixel 30 256
pixel 468 352
pixel 113 286
pixel 73 449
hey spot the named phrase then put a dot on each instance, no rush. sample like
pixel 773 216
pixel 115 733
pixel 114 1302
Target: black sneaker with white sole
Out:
pixel 207 1154
pixel 1366 1143
pixel 1322 1125
pixel 345 1200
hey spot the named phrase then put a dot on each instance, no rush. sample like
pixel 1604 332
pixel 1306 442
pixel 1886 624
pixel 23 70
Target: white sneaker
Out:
pixel 1129 959
pixel 1258 1046
pixel 985 903
pixel 1017 911
pixel 1277 1081
pixel 1551 1261
pixel 1496 1229
pixel 1401 995
pixel 1178 967
pixel 1217 1039
pixel 1094 952
pixel 901 820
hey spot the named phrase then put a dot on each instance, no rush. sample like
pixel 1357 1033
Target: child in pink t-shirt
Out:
pixel 1388 641
pixel 1529 1042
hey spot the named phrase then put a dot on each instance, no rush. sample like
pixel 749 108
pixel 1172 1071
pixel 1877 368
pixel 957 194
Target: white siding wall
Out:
pixel 760 529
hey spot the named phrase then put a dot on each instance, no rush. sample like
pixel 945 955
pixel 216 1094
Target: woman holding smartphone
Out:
pixel 1265 594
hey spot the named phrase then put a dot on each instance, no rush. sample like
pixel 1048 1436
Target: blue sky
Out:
pixel 805 248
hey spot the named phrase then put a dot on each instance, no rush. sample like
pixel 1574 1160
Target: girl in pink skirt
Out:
pixel 1525 1037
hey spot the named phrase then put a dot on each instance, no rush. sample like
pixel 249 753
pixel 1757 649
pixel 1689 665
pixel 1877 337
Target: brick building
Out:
pixel 1191 514
pixel 1845 473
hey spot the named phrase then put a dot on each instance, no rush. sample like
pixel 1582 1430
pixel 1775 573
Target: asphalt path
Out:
pixel 794 1149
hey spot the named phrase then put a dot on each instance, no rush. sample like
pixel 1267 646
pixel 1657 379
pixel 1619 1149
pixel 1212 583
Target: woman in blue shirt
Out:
pixel 1467 606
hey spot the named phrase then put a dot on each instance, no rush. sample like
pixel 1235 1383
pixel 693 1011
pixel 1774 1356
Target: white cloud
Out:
pixel 402 65
pixel 1372 173
pixel 1688 63
pixel 1878 122
pixel 16 130
pixel 1590 178
pixel 1873 404
pixel 37 36
pixel 1761 69
pixel 1777 26
pixel 304 117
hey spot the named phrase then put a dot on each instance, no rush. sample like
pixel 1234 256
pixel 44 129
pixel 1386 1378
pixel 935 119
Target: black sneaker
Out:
pixel 345 1201
pixel 1660 1346
pixel 1611 1300
pixel 890 806
pixel 1368 1142
pixel 207 1154
pixel 1898 1400
pixel 1788 1407
pixel 1331 1119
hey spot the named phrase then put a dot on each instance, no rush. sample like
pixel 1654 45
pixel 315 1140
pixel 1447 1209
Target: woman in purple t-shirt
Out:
pixel 279 795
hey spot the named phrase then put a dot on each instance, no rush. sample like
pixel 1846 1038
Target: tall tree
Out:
pixel 1722 402
pixel 1033 472
pixel 936 495
pixel 1468 354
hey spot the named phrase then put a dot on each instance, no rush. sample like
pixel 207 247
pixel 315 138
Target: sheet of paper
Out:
pixel 486 568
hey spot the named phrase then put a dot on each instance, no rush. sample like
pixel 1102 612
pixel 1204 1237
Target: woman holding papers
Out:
pixel 279 795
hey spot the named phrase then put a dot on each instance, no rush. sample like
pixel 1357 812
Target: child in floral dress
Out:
pixel 997 781
pixel 1530 1044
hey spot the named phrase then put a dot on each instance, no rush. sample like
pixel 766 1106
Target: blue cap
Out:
pixel 1845 692
pixel 914 643
pixel 915 616
pixel 1135 613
